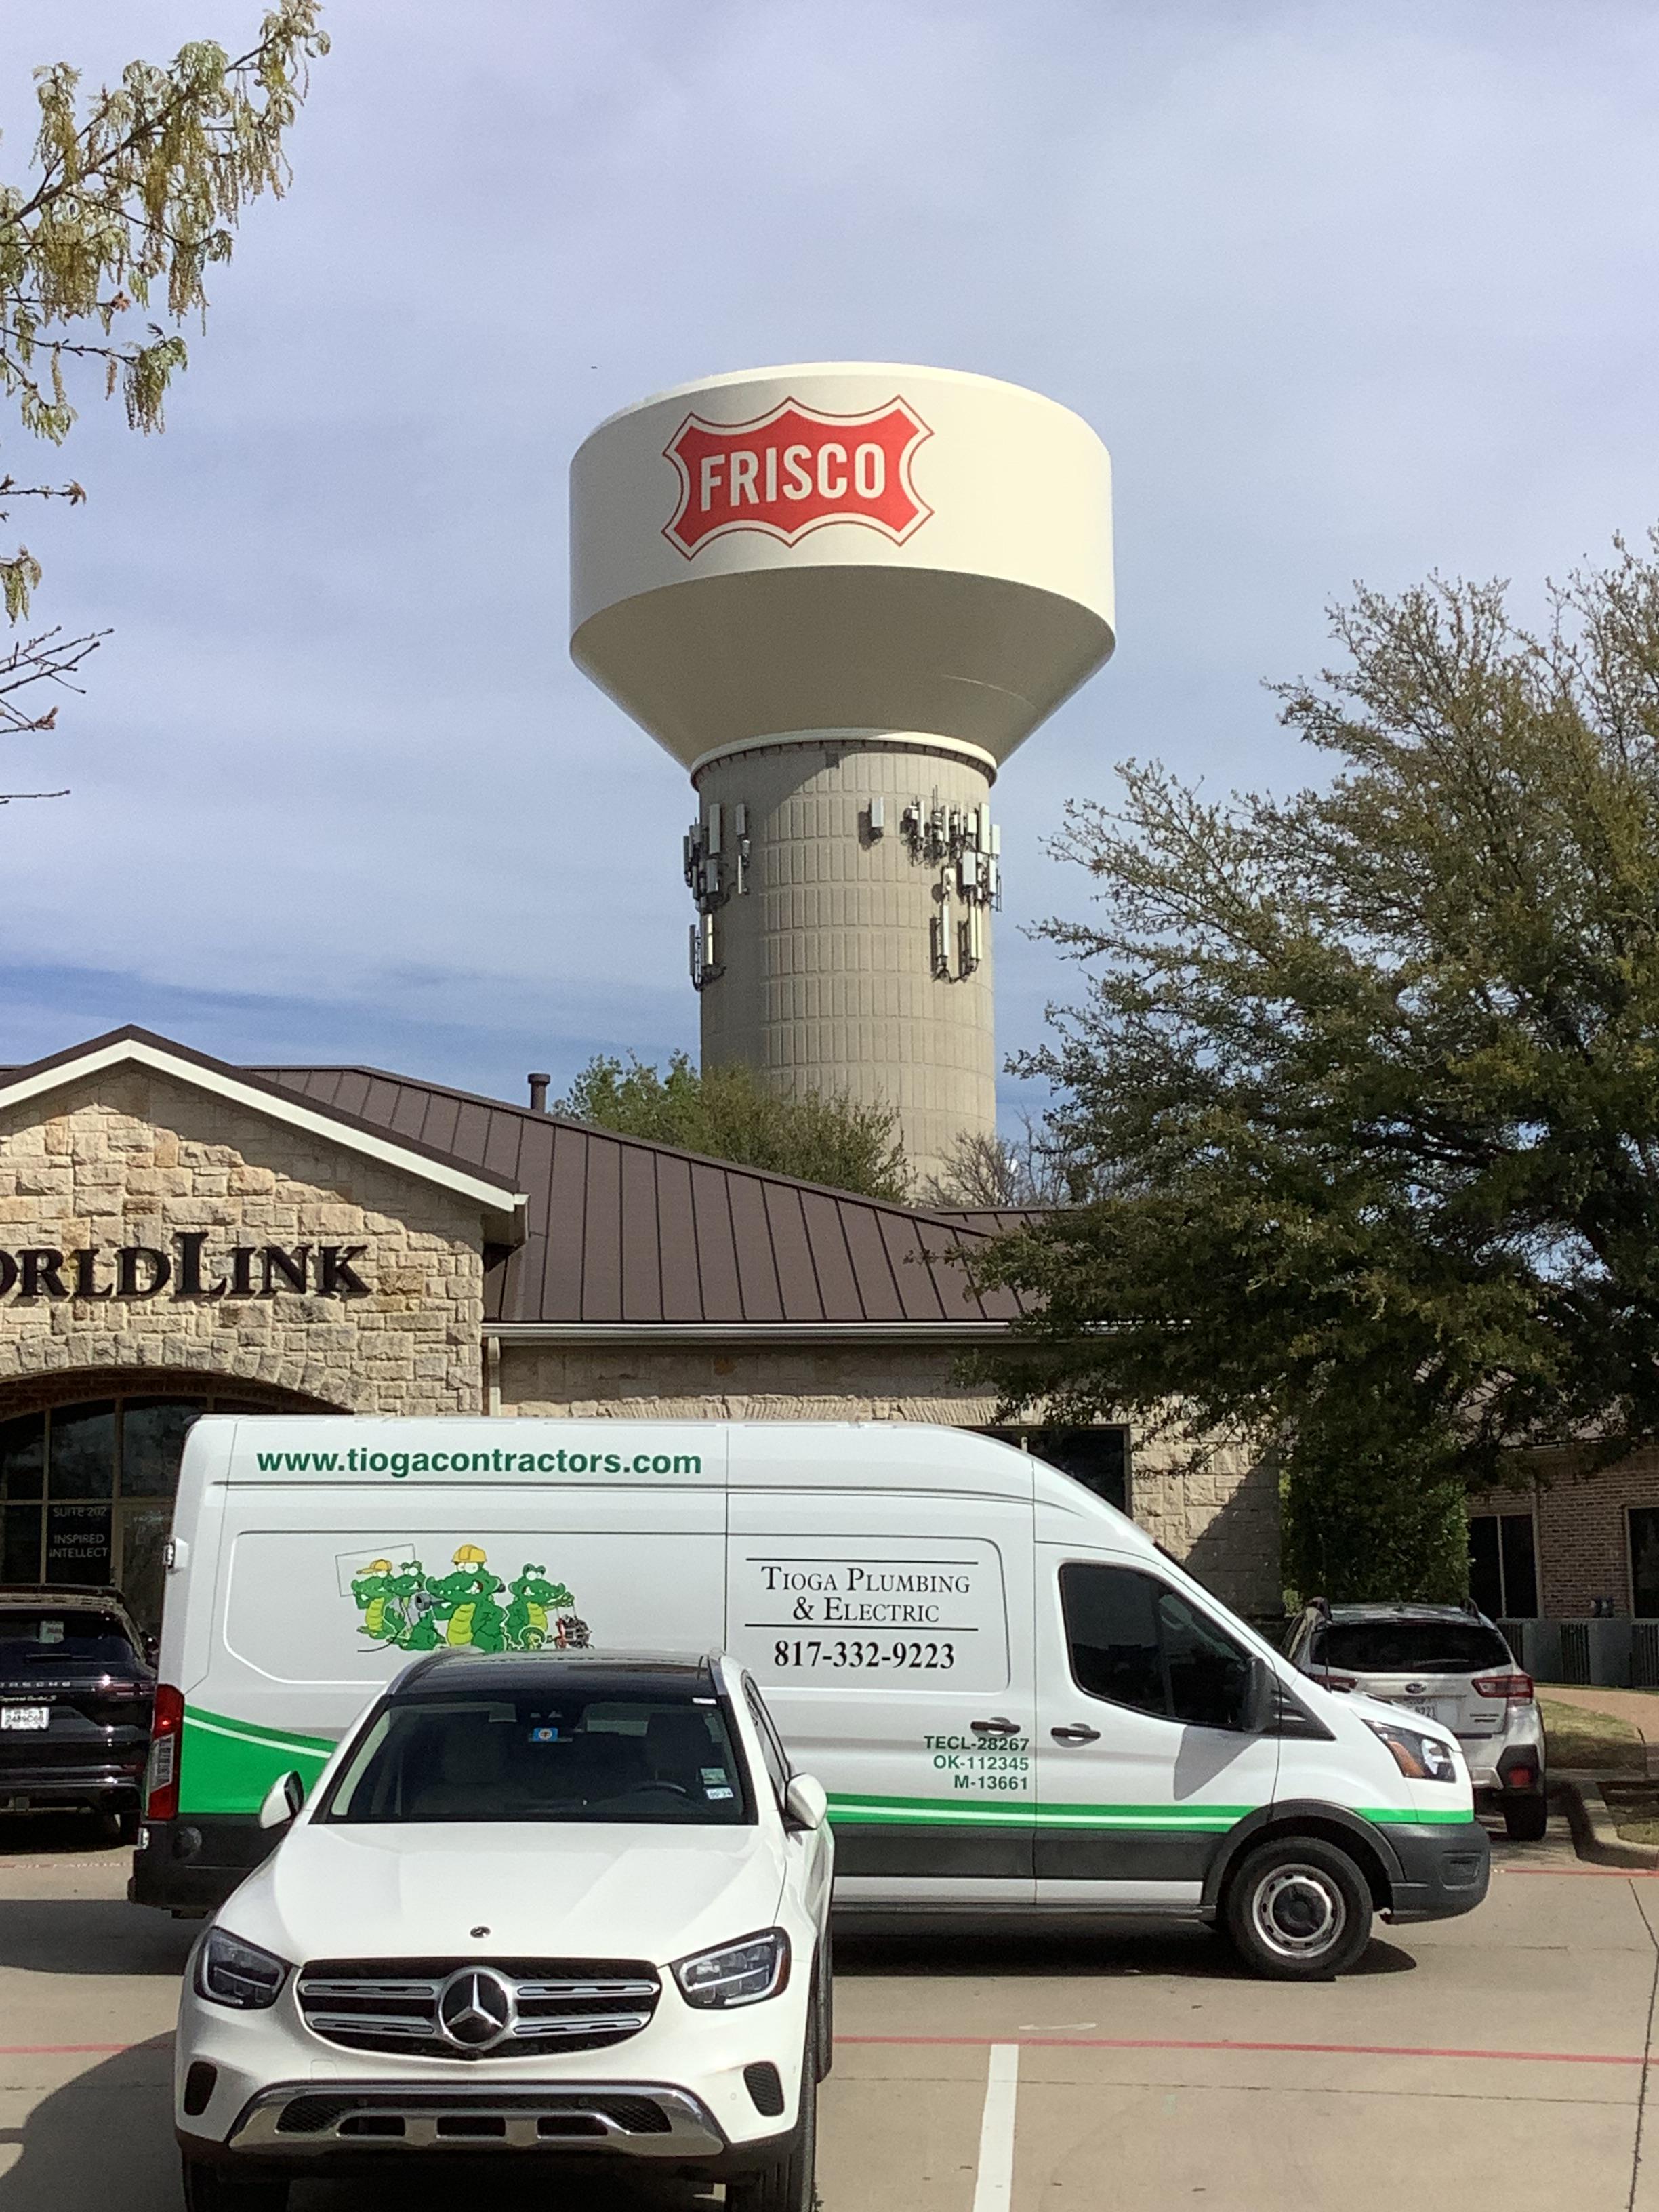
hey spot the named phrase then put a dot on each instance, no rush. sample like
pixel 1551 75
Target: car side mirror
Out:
pixel 286 1795
pixel 804 1804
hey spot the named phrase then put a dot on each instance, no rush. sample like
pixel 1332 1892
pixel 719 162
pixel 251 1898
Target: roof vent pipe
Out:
pixel 539 1093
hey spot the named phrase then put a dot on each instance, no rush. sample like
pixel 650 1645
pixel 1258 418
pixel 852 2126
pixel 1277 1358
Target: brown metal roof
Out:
pixel 622 1232
pixel 995 1220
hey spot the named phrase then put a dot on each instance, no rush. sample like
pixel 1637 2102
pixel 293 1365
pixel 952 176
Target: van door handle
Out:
pixel 1077 1733
pixel 998 1727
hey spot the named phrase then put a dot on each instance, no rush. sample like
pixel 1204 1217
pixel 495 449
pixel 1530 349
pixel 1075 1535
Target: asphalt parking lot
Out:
pixel 1500 2058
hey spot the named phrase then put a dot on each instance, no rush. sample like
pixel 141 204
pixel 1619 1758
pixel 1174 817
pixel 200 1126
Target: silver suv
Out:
pixel 1451 1664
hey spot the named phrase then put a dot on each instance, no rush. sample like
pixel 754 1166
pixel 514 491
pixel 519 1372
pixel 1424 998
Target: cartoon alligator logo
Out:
pixel 403 1606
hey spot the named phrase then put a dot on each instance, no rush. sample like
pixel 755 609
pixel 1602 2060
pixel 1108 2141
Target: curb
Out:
pixel 1595 1833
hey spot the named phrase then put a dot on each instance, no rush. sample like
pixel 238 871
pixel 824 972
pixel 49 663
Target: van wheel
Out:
pixel 1298 1910
pixel 1527 1819
pixel 220 2189
pixel 789 2183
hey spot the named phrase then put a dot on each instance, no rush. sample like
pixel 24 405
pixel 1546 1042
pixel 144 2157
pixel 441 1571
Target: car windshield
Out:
pixel 1411 1647
pixel 40 1638
pixel 553 1756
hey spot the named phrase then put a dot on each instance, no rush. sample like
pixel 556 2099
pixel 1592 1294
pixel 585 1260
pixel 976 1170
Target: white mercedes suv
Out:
pixel 570 1907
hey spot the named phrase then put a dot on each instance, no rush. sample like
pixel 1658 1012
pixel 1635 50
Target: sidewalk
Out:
pixel 1639 1707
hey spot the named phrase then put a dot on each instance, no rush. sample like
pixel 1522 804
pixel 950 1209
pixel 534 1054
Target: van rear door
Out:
pixel 889 1628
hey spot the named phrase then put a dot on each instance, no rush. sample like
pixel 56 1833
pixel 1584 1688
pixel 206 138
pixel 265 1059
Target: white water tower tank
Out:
pixel 840 594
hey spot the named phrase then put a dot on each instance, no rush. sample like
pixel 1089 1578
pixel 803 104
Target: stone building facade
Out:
pixel 150 1186
pixel 1221 1519
pixel 179 1235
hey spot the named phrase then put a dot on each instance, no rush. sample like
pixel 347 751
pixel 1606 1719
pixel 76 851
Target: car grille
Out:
pixel 527 2007
pixel 389 2114
pixel 639 2119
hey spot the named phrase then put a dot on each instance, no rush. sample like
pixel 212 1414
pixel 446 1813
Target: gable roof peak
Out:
pixel 133 1045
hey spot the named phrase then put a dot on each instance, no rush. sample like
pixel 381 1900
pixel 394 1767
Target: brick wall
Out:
pixel 131 1158
pixel 1583 1550
pixel 1222 1520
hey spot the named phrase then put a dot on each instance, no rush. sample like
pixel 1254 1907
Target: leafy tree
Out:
pixel 131 195
pixel 1366 1080
pixel 727 1113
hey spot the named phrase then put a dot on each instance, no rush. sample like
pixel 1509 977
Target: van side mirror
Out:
pixel 804 1804
pixel 286 1795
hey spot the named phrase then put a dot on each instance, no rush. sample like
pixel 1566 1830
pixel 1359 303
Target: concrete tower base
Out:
pixel 847 882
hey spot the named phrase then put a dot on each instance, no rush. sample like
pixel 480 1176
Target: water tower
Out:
pixel 840 594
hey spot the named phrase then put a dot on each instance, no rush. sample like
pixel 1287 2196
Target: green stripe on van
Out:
pixel 1402 1816
pixel 860 1812
pixel 257 1733
pixel 227 1765
pixel 856 1811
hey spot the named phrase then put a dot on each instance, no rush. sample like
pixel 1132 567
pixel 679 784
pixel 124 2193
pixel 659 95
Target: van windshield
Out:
pixel 1411 1647
pixel 635 1759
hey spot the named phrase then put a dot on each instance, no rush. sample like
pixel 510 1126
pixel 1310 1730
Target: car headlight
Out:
pixel 230 1972
pixel 737 1974
pixel 1419 1758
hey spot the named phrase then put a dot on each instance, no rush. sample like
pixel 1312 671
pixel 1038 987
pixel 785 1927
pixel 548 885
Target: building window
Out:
pixel 1644 1561
pixel 1504 1566
pixel 86 1492
pixel 1098 1458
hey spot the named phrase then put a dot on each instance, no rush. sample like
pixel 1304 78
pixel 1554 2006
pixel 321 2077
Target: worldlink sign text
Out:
pixel 187 1271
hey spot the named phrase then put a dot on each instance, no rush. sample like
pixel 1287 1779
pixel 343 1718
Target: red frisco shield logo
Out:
pixel 794 470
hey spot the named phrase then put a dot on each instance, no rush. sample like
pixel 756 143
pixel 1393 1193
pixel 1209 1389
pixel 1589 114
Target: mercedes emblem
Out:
pixel 475 2008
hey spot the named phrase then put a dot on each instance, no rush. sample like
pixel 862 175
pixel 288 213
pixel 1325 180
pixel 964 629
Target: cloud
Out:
pixel 1348 292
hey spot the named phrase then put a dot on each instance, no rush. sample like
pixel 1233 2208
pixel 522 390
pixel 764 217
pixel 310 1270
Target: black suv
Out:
pixel 76 1694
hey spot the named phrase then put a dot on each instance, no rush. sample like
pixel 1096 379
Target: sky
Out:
pixel 1351 293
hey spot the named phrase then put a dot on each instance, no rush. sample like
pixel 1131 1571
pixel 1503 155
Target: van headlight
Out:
pixel 1419 1758
pixel 230 1972
pixel 737 1974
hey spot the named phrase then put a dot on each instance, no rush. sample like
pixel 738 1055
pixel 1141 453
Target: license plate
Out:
pixel 25 1716
pixel 1428 1707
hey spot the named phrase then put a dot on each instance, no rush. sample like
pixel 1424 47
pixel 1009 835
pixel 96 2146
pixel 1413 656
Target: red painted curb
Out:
pixel 1585 1874
pixel 1320 2050
pixel 1066 2043
pixel 62 2049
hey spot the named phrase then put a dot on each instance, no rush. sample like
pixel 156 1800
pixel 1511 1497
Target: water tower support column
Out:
pixel 845 886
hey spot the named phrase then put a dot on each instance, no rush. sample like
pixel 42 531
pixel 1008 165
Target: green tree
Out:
pixel 1365 1082
pixel 727 1113
pixel 131 194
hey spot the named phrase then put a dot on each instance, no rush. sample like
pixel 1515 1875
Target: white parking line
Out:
pixel 994 2186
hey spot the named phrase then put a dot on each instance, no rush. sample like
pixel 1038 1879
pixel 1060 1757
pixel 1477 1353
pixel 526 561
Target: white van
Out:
pixel 1017 1703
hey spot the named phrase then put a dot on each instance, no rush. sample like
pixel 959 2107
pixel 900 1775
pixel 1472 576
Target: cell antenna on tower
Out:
pixel 840 594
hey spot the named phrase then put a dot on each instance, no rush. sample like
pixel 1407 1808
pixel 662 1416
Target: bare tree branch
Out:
pixel 48 658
